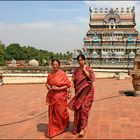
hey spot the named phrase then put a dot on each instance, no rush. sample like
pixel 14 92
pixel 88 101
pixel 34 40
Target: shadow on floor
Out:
pixel 70 127
pixel 128 93
pixel 42 127
pixel 122 93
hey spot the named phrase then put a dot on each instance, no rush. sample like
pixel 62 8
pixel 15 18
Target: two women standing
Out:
pixel 83 78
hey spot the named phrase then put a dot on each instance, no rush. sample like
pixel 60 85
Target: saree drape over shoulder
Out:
pixel 82 101
pixel 58 114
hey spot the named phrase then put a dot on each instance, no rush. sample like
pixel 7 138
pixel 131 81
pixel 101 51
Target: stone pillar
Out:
pixel 135 73
pixel 136 83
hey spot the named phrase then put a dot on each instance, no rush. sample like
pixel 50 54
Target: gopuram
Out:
pixel 112 39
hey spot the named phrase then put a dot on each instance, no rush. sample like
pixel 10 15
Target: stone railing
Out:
pixel 40 78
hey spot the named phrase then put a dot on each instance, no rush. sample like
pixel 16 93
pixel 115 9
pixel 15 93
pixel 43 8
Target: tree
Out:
pixel 2 53
pixel 15 51
pixel 69 56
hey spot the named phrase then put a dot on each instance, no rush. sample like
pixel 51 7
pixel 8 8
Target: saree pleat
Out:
pixel 58 118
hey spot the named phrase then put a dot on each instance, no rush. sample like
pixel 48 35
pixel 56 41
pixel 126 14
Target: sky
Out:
pixel 57 26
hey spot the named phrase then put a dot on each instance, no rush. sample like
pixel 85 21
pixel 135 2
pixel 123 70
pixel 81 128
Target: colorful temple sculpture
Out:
pixel 112 39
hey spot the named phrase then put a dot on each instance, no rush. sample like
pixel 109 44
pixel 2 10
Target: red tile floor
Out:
pixel 23 112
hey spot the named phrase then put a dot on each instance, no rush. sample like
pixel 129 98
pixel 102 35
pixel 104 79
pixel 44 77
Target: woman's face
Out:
pixel 55 65
pixel 81 61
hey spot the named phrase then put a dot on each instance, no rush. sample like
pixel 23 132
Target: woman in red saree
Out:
pixel 83 78
pixel 57 85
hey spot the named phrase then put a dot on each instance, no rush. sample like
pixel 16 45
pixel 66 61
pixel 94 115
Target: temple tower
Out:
pixel 112 37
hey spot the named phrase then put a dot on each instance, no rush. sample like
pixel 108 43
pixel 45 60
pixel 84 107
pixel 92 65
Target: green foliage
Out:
pixel 17 52
pixel 2 53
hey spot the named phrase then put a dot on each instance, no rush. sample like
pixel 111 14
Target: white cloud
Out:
pixel 57 36
pixel 83 20
pixel 137 18
pixel 45 35
pixel 67 28
pixel 45 25
pixel 6 26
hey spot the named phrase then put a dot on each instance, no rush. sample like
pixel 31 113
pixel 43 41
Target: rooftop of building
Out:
pixel 112 116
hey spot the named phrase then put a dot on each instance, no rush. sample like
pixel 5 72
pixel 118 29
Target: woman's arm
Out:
pixel 86 72
pixel 56 88
pixel 63 87
pixel 69 90
pixel 89 73
pixel 72 84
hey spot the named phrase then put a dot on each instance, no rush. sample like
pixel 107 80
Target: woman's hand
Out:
pixel 69 95
pixel 85 71
pixel 84 68
pixel 55 88
pixel 48 86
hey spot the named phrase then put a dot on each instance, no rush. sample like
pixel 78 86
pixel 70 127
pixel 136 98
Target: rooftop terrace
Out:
pixel 113 115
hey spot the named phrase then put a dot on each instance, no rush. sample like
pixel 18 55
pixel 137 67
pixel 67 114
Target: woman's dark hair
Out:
pixel 82 56
pixel 56 61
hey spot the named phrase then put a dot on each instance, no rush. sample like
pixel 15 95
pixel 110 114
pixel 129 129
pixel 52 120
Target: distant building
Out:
pixel 112 37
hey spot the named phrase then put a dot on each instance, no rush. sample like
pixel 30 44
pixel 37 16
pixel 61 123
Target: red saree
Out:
pixel 82 101
pixel 58 114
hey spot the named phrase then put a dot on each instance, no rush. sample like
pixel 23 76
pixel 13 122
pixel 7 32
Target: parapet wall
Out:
pixel 18 78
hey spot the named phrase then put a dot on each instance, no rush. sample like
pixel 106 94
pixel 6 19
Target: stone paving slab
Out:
pixel 23 112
